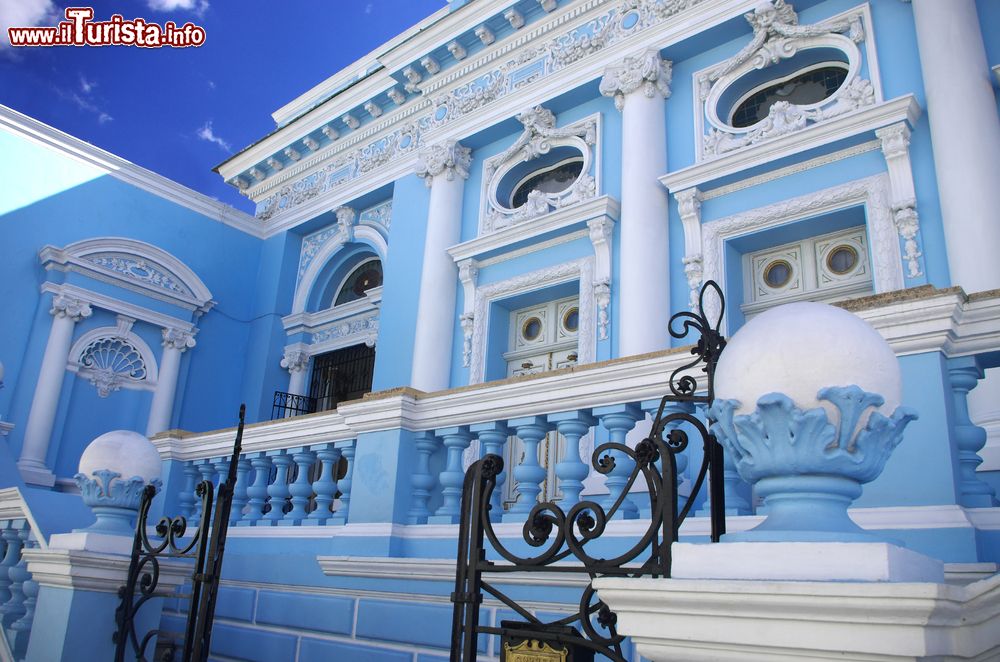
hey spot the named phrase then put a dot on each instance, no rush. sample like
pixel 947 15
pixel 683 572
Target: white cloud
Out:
pixel 197 6
pixel 369 7
pixel 25 14
pixel 208 134
pixel 104 118
pixel 87 85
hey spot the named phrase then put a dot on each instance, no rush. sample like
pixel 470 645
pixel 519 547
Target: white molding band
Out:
pixel 117 306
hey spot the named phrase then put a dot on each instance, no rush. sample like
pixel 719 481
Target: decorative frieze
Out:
pixel 485 35
pixel 365 329
pixel 457 50
pixel 351 121
pixel 137 269
pixel 430 64
pixel 330 132
pixel 292 153
pixel 397 96
pixel 645 72
pixel 373 109
pixel 310 144
pixel 413 78
pixel 515 18
pixel 275 164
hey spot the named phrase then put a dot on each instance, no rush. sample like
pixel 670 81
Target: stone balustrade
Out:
pixel 18 591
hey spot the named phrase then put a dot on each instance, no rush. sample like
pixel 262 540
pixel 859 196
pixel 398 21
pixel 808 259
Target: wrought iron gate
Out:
pixel 344 374
pixel 565 536
pixel 206 546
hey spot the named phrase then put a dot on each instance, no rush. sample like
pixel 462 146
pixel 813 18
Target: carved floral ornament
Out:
pixel 538 140
pixel 646 72
pixel 777 37
pixel 449 158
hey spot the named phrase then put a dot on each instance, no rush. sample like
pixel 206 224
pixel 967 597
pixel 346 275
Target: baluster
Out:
pixel 455 440
pixel 14 608
pixel 240 495
pixel 278 490
pixel 325 486
pixel 257 491
pixel 11 552
pixel 422 480
pixel 571 469
pixel 301 489
pixel 188 500
pixel 963 375
pixel 651 407
pixel 221 465
pixel 22 626
pixel 342 513
pixel 528 474
pixel 618 420
pixel 493 438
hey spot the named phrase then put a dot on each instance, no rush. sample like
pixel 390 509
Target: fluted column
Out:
pixel 175 343
pixel 66 312
pixel 296 362
pixel 444 168
pixel 639 86
pixel 965 136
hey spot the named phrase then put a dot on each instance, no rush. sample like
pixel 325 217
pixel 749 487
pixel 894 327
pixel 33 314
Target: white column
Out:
pixel 296 362
pixel 639 86
pixel 66 312
pixel 444 167
pixel 965 135
pixel 175 343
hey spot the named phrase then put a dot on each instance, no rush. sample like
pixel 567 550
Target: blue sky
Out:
pixel 179 112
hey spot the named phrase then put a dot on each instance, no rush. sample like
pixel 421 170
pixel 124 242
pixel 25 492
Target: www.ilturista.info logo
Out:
pixel 79 29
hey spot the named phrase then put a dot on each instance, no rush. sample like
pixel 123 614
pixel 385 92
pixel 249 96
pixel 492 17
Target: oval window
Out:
pixel 365 276
pixel 551 180
pixel 777 274
pixel 803 88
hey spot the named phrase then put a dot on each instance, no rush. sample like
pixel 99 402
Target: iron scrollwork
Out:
pixel 571 536
pixel 204 547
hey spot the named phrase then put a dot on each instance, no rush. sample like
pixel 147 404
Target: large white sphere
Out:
pixel 127 452
pixel 799 348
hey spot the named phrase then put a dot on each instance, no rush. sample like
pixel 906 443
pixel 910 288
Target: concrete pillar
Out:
pixel 66 312
pixel 639 86
pixel 444 167
pixel 965 134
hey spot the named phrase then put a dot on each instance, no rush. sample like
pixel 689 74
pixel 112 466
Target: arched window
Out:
pixel 549 180
pixel 366 276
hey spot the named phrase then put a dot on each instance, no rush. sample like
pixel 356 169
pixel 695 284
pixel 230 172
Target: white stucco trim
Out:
pixel 117 306
pixel 148 357
pixel 359 234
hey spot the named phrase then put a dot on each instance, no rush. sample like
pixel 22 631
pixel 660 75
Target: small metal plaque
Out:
pixel 532 650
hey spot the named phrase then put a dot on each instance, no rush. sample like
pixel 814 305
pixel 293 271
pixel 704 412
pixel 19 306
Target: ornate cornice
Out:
pixel 449 158
pixel 644 72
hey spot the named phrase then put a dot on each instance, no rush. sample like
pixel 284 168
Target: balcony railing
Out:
pixel 287 405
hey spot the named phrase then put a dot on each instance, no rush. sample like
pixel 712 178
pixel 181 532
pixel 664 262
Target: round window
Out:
pixel 777 273
pixel 571 320
pixel 532 328
pixel 842 260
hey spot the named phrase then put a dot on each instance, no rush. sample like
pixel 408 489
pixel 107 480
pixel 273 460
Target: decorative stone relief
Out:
pixel 74 309
pixel 295 360
pixel 449 158
pixel 140 270
pixel 777 36
pixel 380 214
pixel 468 275
pixel 646 72
pixel 178 339
pixel 689 207
pixel 365 329
pixel 895 142
pixel 109 362
pixel 540 135
pixel 601 231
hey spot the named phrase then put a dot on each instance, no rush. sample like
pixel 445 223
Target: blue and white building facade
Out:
pixel 472 240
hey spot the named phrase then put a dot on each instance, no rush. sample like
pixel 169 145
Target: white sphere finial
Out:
pixel 125 452
pixel 798 349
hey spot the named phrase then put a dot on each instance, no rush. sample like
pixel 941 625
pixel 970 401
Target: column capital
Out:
pixel 67 306
pixel 295 360
pixel 178 339
pixel 449 158
pixel 645 71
